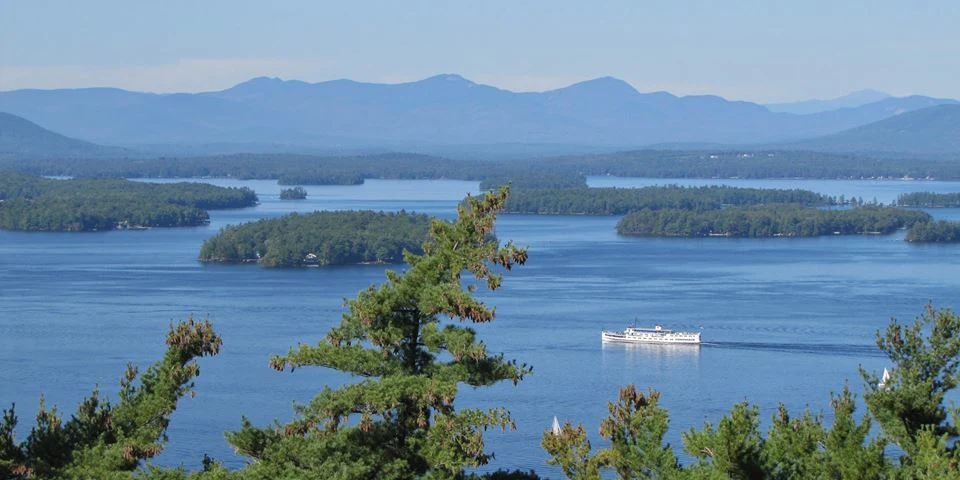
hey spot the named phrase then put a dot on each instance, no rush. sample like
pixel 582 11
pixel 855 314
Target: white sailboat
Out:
pixel 556 426
pixel 884 380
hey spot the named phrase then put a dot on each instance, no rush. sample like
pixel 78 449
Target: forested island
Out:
pixel 940 231
pixel 929 200
pixel 40 204
pixel 295 193
pixel 618 201
pixel 760 221
pixel 535 180
pixel 320 238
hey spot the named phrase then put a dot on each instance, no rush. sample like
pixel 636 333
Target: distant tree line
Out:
pixel 295 193
pixel 39 204
pixel 755 164
pixel 618 201
pixel 929 200
pixel 768 221
pixel 565 171
pixel 319 238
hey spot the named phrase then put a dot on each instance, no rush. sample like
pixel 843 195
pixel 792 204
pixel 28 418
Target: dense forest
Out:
pixel 929 200
pixel 566 171
pixel 41 204
pixel 618 201
pixel 319 238
pixel 409 351
pixel 940 231
pixel 768 221
pixel 295 193
pixel 539 180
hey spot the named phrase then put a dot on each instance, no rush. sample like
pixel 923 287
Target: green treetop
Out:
pixel 400 420
pixel 102 440
pixel 908 409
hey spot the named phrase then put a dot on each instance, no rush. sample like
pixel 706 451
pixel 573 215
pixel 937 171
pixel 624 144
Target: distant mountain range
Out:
pixel 22 138
pixel 850 100
pixel 439 112
pixel 934 130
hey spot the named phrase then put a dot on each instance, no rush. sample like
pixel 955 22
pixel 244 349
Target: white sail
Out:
pixel 556 426
pixel 884 380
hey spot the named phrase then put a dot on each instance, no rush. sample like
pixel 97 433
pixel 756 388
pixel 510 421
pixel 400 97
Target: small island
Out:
pixel 619 201
pixel 32 203
pixel 534 180
pixel 929 200
pixel 295 193
pixel 320 239
pixel 764 221
pixel 941 231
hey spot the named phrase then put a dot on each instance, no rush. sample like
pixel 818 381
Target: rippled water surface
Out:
pixel 784 319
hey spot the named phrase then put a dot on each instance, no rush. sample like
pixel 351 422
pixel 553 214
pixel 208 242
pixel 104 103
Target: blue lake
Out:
pixel 785 319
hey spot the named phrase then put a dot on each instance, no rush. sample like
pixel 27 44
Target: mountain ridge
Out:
pixel 817 105
pixel 931 130
pixel 20 137
pixel 444 109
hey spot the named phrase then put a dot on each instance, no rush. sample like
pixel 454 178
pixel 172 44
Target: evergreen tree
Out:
pixel 635 427
pixel 400 420
pixel 909 409
pixel 910 406
pixel 102 440
pixel 734 447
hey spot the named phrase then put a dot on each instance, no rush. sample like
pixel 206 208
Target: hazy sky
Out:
pixel 753 50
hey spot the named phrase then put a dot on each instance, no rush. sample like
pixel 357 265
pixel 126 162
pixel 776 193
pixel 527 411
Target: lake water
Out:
pixel 785 319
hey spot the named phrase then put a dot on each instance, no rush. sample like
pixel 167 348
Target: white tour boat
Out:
pixel 656 334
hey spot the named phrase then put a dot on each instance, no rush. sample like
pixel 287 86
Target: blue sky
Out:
pixel 752 50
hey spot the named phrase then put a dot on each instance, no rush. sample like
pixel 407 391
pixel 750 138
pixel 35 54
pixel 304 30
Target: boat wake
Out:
pixel 852 350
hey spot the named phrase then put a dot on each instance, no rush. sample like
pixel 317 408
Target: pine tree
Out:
pixel 403 339
pixel 110 441
pixel 910 407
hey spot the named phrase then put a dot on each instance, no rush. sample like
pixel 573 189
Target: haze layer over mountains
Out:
pixel 449 110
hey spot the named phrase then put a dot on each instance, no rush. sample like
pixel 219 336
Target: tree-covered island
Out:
pixel 295 193
pixel 929 200
pixel 535 179
pixel 81 205
pixel 768 221
pixel 941 231
pixel 618 201
pixel 320 238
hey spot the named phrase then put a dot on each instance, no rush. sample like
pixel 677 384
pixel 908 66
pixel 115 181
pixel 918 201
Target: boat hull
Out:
pixel 668 339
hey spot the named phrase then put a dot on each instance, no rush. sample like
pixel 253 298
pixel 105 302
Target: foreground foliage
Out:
pixel 319 238
pixel 908 410
pixel 400 420
pixel 41 204
pixel 104 440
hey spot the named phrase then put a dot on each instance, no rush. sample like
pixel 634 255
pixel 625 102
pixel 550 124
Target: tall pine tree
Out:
pixel 404 339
